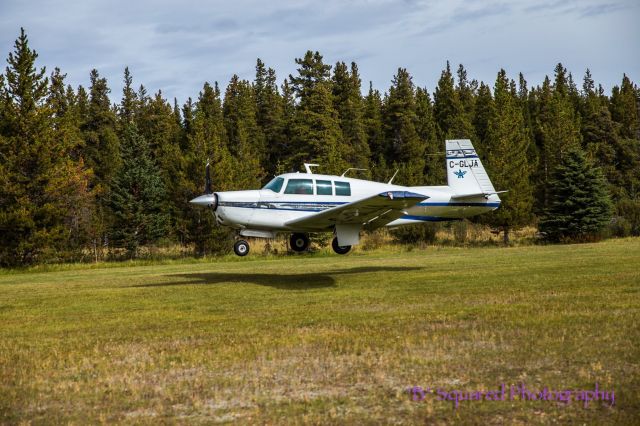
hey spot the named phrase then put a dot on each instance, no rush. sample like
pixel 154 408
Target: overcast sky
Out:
pixel 178 45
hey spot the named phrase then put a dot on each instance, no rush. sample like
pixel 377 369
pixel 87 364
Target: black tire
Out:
pixel 339 249
pixel 299 242
pixel 241 248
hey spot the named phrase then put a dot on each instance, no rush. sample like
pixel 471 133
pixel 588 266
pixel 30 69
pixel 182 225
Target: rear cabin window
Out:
pixel 323 187
pixel 343 188
pixel 299 186
pixel 275 185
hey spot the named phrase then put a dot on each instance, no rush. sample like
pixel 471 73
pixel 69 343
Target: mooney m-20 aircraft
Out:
pixel 300 203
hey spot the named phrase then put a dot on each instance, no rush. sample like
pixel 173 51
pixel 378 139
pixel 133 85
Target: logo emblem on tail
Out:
pixel 460 173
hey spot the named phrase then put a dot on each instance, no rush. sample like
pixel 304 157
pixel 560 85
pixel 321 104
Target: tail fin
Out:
pixel 465 173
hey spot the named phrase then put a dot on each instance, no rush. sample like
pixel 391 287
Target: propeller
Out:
pixel 207 179
pixel 209 198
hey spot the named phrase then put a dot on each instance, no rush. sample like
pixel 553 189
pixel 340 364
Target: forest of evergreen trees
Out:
pixel 80 176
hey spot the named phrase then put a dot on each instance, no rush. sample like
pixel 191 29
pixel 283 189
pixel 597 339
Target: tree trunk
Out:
pixel 506 235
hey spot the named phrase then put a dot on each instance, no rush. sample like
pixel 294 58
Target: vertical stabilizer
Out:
pixel 465 172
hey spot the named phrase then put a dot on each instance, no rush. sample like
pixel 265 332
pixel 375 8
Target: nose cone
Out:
pixel 204 200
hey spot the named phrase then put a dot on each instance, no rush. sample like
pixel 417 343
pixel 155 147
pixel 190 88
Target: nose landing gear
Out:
pixel 241 248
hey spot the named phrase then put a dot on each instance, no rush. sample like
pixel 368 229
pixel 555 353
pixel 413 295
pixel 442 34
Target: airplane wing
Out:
pixel 371 212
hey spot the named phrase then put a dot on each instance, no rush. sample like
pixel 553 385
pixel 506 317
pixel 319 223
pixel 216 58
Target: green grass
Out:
pixel 325 339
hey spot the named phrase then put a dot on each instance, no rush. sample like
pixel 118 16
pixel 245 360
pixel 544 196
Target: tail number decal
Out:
pixel 463 163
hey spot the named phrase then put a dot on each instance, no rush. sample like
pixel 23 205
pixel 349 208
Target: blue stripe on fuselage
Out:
pixel 323 205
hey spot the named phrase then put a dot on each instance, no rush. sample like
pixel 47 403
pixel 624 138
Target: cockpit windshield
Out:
pixel 275 185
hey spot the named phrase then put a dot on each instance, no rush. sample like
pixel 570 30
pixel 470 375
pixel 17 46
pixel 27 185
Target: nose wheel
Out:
pixel 299 242
pixel 241 248
pixel 339 249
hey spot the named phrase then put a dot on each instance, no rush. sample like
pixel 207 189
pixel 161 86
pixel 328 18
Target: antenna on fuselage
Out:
pixel 393 177
pixel 349 169
pixel 308 166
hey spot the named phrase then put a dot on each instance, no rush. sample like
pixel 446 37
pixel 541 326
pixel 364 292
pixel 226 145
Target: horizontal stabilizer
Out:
pixel 476 195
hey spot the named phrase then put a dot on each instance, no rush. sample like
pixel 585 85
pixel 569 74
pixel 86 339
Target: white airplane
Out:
pixel 299 203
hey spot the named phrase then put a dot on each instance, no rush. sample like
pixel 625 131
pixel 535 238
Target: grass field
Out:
pixel 326 339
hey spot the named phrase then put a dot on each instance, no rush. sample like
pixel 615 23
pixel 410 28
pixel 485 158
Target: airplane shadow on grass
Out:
pixel 282 281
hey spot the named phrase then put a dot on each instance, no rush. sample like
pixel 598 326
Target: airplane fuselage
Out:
pixel 268 210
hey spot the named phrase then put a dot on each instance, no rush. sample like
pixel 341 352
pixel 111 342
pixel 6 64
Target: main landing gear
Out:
pixel 339 249
pixel 299 242
pixel 241 248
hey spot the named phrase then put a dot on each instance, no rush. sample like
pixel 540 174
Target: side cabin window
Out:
pixel 275 185
pixel 299 186
pixel 343 188
pixel 323 187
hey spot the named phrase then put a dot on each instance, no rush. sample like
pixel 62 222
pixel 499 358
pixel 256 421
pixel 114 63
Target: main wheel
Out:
pixel 339 249
pixel 241 248
pixel 299 242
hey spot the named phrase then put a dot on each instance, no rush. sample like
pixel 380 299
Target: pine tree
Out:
pixel 506 160
pixel 270 118
pixel 288 117
pixel 372 119
pixel 207 141
pixel 624 109
pixel 434 173
pixel 557 129
pixel 406 150
pixel 128 105
pixel 69 141
pixel 347 101
pixel 315 132
pixel 162 129
pixel 137 195
pixel 580 207
pixel 483 111
pixel 448 110
pixel 246 140
pixel 102 146
pixel 40 183
pixel 599 133
pixel 467 92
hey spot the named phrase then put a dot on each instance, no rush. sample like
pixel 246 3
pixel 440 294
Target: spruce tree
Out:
pixel 207 141
pixel 579 202
pixel 483 111
pixel 506 158
pixel 41 184
pixel 557 129
pixel 246 139
pixel 102 146
pixel 159 126
pixel 405 149
pixel 624 109
pixel 599 134
pixel 449 112
pixel 270 118
pixel 467 92
pixel 348 104
pixel 316 136
pixel 101 155
pixel 434 172
pixel 137 196
pixel 128 105
pixel 372 119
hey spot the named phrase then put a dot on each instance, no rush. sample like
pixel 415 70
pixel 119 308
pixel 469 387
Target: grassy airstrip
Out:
pixel 324 338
